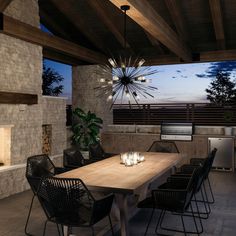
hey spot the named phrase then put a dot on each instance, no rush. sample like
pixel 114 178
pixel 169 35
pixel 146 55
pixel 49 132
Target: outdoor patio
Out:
pixel 109 46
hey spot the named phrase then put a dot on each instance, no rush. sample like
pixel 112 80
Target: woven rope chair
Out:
pixel 174 197
pixel 38 166
pixel 68 202
pixel 163 146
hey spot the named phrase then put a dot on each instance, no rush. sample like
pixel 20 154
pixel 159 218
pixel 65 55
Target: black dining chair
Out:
pixel 72 158
pixel 175 197
pixel 97 153
pixel 38 166
pixel 163 146
pixel 187 169
pixel 68 202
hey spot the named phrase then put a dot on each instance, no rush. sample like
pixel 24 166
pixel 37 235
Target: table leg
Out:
pixel 124 217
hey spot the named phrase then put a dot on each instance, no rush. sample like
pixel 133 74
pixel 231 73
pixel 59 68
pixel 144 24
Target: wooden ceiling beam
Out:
pixel 154 42
pixel 177 18
pixel 144 15
pixel 62 58
pixel 208 56
pixel 34 35
pixel 103 13
pixel 67 9
pixel 4 4
pixel 217 19
pixel 219 55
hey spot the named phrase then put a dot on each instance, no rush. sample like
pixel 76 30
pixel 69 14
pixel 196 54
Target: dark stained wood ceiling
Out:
pixel 162 31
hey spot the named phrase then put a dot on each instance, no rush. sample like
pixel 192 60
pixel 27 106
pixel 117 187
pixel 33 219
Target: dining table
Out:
pixel 111 176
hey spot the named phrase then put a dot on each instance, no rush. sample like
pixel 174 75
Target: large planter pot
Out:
pixel 85 154
pixel 228 130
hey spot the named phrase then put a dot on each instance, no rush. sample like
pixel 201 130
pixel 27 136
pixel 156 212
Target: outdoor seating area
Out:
pixel 118 118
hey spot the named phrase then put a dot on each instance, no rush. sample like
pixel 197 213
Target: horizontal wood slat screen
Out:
pixel 154 114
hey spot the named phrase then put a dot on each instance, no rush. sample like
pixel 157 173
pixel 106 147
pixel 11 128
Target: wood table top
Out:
pixel 110 175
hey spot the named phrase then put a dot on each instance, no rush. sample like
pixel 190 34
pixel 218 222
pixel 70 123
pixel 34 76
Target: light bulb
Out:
pixel 115 78
pixel 112 62
pixel 141 62
pixel 127 95
pixel 109 97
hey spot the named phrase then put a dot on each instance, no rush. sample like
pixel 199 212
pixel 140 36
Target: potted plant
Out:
pixel 228 117
pixel 85 129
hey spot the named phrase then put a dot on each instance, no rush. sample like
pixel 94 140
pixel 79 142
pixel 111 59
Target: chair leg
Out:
pixel 44 229
pixel 92 231
pixel 200 218
pixel 159 221
pixel 149 221
pixel 212 195
pixel 183 224
pixel 29 213
pixel 58 230
pixel 194 220
pixel 206 204
pixel 112 231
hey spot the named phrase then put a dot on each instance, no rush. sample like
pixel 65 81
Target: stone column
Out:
pixel 85 79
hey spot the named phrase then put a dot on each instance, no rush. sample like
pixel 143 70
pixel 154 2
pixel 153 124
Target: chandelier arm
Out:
pixel 141 93
pixel 135 99
pixel 115 98
pixel 123 91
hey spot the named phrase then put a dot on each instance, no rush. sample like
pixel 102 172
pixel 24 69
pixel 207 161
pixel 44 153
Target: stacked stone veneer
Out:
pixel 21 71
pixel 54 114
pixel 85 79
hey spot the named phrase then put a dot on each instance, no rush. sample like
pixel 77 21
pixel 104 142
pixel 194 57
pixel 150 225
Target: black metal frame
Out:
pixel 63 199
pixel 38 166
pixel 163 145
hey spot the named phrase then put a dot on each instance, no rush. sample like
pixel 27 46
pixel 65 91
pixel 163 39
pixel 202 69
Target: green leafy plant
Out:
pixel 86 128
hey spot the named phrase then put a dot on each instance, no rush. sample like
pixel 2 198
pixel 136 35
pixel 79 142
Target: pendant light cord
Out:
pixel 125 37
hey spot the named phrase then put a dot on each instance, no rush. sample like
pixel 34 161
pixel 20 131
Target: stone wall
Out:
pixel 21 71
pixel 25 11
pixel 54 113
pixel 85 79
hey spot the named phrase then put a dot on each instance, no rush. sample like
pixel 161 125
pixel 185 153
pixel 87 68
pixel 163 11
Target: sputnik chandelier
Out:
pixel 128 77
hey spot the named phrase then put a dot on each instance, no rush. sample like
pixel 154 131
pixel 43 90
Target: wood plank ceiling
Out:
pixel 161 31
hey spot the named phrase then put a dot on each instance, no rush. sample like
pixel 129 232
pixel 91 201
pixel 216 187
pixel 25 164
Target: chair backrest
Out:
pixel 96 151
pixel 38 166
pixel 72 157
pixel 210 158
pixel 163 146
pixel 194 183
pixel 67 201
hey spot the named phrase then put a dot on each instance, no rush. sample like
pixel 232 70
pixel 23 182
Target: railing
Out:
pixel 154 114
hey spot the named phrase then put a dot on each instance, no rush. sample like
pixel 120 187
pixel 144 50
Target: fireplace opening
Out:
pixel 5 144
pixel 47 139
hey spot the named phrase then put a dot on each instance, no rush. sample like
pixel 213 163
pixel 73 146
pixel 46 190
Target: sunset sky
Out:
pixel 175 83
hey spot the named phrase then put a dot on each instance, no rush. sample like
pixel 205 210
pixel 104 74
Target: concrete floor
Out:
pixel 222 221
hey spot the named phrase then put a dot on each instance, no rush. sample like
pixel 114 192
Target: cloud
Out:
pixel 225 66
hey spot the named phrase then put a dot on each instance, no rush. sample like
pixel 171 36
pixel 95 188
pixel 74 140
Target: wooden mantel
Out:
pixel 18 98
